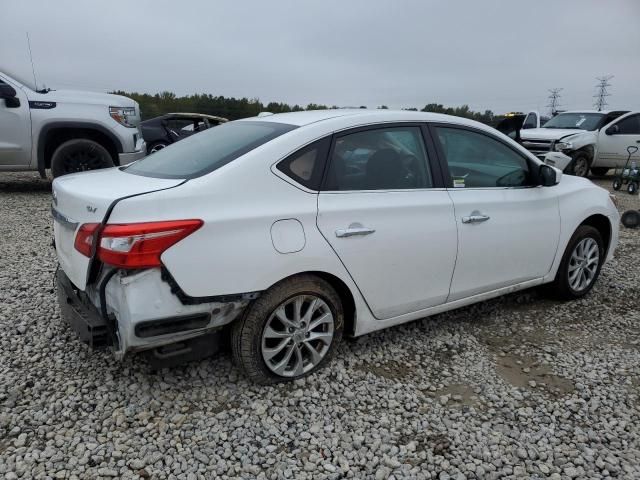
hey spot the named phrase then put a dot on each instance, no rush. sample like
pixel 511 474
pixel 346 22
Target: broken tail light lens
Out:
pixel 85 238
pixel 134 245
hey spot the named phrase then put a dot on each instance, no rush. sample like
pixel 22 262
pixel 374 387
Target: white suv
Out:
pixel 64 130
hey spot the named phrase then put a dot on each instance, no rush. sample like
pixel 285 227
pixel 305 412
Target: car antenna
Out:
pixel 33 70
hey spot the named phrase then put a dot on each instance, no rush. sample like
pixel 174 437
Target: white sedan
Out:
pixel 289 231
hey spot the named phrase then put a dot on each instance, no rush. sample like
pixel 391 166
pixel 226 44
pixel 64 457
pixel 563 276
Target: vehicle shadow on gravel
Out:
pixel 23 183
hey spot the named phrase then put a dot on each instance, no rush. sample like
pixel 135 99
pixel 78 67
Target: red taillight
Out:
pixel 85 237
pixel 138 245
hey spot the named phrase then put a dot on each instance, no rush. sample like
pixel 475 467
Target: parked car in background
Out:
pixel 295 228
pixel 534 120
pixel 580 141
pixel 512 123
pixel 65 130
pixel 164 130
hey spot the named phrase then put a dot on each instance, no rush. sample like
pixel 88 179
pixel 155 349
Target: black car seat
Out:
pixel 385 171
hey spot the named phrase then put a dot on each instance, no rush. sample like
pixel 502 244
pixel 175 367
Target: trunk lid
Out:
pixel 86 198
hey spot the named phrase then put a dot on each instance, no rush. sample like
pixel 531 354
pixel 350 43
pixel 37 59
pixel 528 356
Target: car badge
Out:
pixel 91 209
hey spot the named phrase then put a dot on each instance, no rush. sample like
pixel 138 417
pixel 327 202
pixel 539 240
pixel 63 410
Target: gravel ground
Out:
pixel 519 387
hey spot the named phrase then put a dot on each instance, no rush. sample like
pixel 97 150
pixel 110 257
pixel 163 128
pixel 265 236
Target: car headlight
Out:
pixel 122 114
pixel 560 146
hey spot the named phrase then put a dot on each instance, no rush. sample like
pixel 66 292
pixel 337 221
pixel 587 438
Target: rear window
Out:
pixel 208 150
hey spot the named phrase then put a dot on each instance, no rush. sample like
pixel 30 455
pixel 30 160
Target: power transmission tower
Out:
pixel 554 100
pixel 601 92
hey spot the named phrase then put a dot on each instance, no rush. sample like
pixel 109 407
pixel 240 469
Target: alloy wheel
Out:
pixel 297 335
pixel 81 160
pixel 583 264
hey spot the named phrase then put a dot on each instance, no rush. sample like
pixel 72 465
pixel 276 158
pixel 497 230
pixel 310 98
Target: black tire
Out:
pixel 632 188
pixel 247 332
pixel 631 219
pixel 561 287
pixel 599 171
pixel 580 165
pixel 79 155
pixel 617 183
pixel 156 146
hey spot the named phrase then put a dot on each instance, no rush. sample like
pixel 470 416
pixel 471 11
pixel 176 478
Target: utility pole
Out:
pixel 554 100
pixel 601 92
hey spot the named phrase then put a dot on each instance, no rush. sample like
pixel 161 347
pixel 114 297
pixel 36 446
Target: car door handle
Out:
pixel 353 231
pixel 475 218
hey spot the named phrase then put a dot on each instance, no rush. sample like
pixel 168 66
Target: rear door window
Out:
pixel 200 154
pixel 391 158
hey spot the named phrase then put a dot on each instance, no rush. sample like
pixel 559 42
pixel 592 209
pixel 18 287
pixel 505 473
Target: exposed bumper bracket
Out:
pixel 83 317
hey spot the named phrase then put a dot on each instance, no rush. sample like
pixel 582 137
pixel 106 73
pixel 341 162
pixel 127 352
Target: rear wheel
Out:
pixel 599 171
pixel 580 265
pixel 290 331
pixel 580 165
pixel 79 155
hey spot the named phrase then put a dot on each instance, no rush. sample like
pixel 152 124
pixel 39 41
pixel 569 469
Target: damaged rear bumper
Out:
pixel 83 317
pixel 137 311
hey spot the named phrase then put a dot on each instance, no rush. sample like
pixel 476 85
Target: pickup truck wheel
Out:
pixel 79 155
pixel 580 265
pixel 599 171
pixel 580 165
pixel 290 331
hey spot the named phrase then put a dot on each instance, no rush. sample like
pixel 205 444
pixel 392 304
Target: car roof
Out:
pixel 361 116
pixel 201 115
pixel 604 112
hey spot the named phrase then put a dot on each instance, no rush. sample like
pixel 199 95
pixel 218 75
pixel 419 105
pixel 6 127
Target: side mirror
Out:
pixel 612 130
pixel 547 176
pixel 8 93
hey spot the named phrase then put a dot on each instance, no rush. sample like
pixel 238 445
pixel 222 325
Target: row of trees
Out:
pixel 235 108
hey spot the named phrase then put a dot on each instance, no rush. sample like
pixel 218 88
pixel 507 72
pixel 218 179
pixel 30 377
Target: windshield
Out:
pixel 207 151
pixel 580 121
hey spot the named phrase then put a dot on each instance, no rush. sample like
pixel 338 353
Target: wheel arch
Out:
pixel 603 225
pixel 54 134
pixel 343 291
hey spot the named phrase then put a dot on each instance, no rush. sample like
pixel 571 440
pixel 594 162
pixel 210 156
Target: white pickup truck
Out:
pixel 65 130
pixel 579 141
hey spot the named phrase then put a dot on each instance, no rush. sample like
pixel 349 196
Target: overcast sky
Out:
pixel 498 55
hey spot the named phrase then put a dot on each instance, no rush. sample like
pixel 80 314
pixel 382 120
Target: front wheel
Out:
pixel 289 332
pixel 580 265
pixel 79 155
pixel 580 165
pixel 632 188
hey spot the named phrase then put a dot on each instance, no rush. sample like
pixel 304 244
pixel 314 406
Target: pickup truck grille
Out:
pixel 537 147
